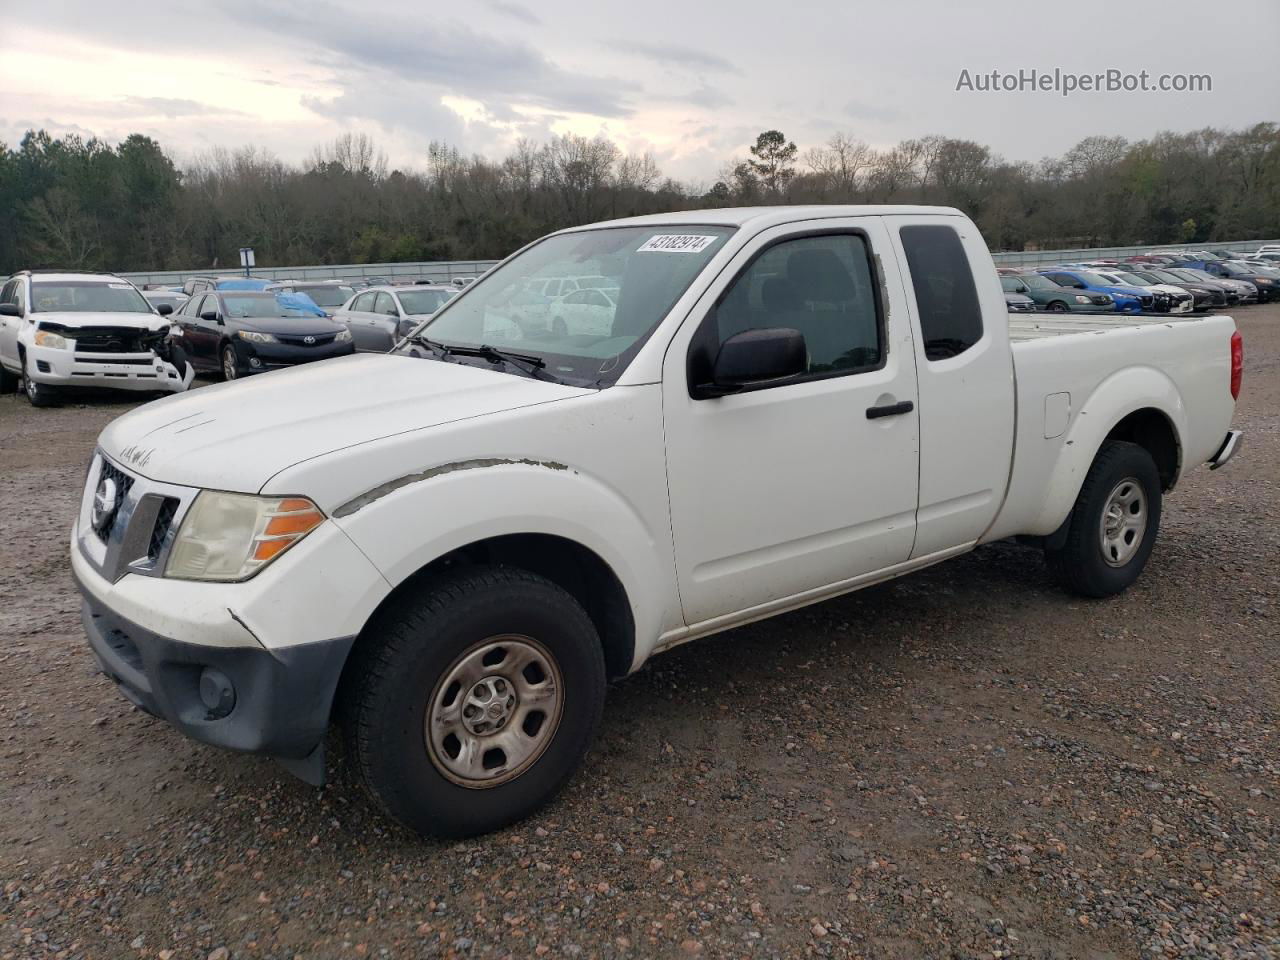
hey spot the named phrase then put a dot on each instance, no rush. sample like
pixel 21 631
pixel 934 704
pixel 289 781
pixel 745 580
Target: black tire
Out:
pixel 9 382
pixel 408 653
pixel 228 363
pixel 1081 564
pixel 1058 307
pixel 37 394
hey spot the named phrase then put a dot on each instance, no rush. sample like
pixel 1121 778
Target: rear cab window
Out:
pixel 946 296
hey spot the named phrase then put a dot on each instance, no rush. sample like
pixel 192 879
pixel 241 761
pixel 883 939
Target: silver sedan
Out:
pixel 379 316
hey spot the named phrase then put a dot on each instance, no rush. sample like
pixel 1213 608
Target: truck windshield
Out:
pixel 582 340
pixel 86 296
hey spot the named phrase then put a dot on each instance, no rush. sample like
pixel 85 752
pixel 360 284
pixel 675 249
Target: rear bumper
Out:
pixel 1230 446
pixel 280 701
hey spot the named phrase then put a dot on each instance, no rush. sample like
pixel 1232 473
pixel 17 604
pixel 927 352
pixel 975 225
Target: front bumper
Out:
pixel 260 357
pixel 122 371
pixel 281 698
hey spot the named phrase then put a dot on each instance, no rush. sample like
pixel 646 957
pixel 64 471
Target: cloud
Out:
pixel 515 10
pixel 865 111
pixel 172 107
pixel 449 56
pixel 676 55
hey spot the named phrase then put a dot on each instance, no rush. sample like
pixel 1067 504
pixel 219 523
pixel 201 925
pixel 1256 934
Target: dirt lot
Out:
pixel 964 763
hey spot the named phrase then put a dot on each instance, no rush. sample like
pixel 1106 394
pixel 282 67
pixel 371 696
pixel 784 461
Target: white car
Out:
pixel 587 311
pixel 63 331
pixel 1180 301
pixel 464 540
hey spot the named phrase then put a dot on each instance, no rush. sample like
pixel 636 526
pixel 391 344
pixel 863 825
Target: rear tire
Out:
pixel 1058 307
pixel 1113 526
pixel 416 694
pixel 9 381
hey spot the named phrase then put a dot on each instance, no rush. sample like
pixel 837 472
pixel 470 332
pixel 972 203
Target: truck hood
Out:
pixel 142 321
pixel 236 436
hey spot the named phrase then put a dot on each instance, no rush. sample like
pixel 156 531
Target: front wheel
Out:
pixel 1113 526
pixel 38 394
pixel 1058 307
pixel 471 704
pixel 230 363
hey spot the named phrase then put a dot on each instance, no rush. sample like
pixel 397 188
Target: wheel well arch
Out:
pixel 1152 430
pixel 576 569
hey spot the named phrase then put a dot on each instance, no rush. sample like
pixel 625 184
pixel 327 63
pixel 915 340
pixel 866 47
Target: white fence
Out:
pixel 1033 258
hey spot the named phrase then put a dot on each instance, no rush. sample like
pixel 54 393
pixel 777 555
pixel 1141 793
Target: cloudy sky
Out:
pixel 691 81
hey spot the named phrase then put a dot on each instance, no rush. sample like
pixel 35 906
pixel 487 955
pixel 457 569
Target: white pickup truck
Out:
pixel 451 548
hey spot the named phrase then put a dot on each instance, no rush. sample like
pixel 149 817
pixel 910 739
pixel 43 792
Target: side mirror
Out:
pixel 9 310
pixel 756 357
pixel 211 316
pixel 164 309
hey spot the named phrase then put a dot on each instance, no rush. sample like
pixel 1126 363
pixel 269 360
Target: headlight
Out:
pixel 1262 280
pixel 254 337
pixel 231 536
pixel 343 335
pixel 45 338
pixel 1082 299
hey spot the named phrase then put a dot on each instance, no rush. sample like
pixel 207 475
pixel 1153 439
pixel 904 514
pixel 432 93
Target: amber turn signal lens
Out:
pixel 292 524
pixel 266 549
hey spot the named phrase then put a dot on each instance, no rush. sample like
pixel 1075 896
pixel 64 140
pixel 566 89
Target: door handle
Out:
pixel 890 410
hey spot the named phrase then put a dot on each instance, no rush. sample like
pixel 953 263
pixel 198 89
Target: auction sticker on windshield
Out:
pixel 676 243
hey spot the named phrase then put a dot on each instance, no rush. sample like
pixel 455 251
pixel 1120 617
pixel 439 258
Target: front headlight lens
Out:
pixel 45 338
pixel 1082 299
pixel 343 335
pixel 231 536
pixel 253 336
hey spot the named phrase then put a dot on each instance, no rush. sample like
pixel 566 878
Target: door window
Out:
pixel 363 303
pixel 821 286
pixel 385 306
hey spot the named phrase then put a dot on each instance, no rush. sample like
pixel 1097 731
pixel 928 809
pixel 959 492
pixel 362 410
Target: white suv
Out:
pixel 67 330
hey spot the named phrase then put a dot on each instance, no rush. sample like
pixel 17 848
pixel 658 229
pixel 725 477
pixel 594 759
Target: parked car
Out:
pixel 1235 276
pixel 1229 289
pixel 1168 298
pixel 381 316
pixel 1203 297
pixel 1017 302
pixel 1128 299
pixel 165 297
pixel 329 297
pixel 242 283
pixel 62 331
pixel 474 533
pixel 462 282
pixel 1056 298
pixel 238 332
pixel 588 311
pixel 1266 287
pixel 194 285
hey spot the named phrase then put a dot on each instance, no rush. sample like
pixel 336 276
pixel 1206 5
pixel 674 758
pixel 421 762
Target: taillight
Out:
pixel 1237 364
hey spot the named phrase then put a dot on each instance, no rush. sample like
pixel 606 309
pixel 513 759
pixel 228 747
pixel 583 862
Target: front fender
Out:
pixel 407 523
pixel 1124 392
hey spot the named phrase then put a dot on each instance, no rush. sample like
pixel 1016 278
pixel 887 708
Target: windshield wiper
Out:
pixel 529 363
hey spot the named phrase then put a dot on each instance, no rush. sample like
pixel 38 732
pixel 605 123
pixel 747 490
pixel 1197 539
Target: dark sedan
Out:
pixel 236 332
pixel 1206 295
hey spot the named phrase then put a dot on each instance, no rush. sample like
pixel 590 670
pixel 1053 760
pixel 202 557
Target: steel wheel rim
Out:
pixel 1123 525
pixel 494 711
pixel 31 386
pixel 228 365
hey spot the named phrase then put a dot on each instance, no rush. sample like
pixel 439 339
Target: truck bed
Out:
pixel 1023 327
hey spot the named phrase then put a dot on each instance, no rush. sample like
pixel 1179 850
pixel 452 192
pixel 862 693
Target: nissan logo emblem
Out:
pixel 308 339
pixel 104 504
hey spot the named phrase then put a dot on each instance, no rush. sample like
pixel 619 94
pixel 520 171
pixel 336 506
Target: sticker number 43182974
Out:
pixel 676 243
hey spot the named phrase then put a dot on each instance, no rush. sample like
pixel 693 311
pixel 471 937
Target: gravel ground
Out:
pixel 964 763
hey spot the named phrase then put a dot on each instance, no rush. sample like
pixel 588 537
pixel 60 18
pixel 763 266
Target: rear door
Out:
pixel 386 320
pixel 359 320
pixel 961 336
pixel 792 489
pixel 9 325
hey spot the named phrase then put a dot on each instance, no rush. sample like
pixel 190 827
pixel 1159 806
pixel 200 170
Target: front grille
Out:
pixel 123 483
pixel 110 340
pixel 320 340
pixel 164 520
pixel 118 361
pixel 1145 301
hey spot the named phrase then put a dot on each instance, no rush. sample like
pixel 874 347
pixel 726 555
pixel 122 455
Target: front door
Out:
pixel 799 487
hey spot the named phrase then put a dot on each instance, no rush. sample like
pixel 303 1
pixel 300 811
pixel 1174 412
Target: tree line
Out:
pixel 87 204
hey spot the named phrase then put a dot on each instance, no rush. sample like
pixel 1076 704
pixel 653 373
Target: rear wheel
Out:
pixel 9 381
pixel 472 703
pixel 1113 525
pixel 1058 307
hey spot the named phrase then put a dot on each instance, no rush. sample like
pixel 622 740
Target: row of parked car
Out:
pixel 62 330
pixel 1175 283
